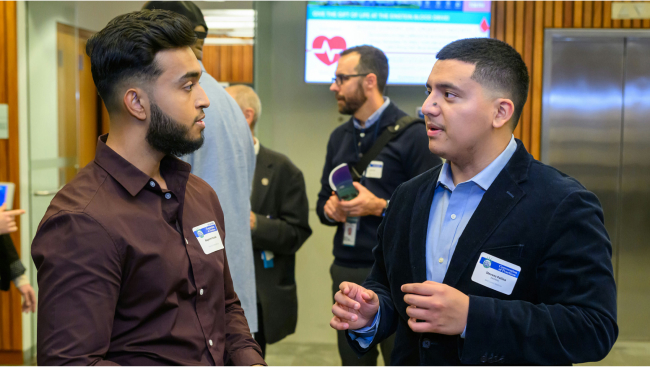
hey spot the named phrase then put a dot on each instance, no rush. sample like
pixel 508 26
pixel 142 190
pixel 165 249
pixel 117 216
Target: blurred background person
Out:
pixel 11 268
pixel 227 162
pixel 279 222
pixel 359 84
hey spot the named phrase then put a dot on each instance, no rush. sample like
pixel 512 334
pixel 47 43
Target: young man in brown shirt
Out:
pixel 130 257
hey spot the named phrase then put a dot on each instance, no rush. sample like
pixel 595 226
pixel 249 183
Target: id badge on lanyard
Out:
pixel 350 231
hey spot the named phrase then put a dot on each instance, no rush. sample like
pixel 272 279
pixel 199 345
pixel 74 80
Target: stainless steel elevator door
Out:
pixel 634 250
pixel 582 115
pixel 596 128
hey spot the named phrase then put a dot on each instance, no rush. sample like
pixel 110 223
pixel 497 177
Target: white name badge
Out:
pixel 208 236
pixel 496 274
pixel 375 169
pixel 350 233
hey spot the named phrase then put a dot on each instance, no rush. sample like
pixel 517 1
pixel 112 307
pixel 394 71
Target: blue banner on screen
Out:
pixel 409 32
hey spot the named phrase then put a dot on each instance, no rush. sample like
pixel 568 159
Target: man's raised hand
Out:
pixel 8 219
pixel 355 307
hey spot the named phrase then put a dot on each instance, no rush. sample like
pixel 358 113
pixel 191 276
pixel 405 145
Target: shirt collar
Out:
pixel 484 178
pixel 128 175
pixel 256 145
pixel 374 117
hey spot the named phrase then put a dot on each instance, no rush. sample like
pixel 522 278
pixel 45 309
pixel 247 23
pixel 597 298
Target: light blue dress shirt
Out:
pixel 372 118
pixel 451 210
pixel 226 161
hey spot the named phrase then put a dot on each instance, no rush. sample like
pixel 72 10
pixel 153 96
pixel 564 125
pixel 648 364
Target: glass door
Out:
pixel 62 105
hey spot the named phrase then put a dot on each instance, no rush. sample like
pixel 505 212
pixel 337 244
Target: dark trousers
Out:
pixel 348 356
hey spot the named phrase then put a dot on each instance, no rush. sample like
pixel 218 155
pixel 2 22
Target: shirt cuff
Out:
pixel 21 280
pixel 328 218
pixel 463 334
pixel 246 357
pixel 366 335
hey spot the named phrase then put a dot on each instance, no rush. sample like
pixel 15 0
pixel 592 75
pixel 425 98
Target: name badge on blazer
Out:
pixel 496 274
pixel 208 236
pixel 375 169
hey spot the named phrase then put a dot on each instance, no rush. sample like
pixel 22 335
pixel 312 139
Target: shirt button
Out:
pixel 426 343
pixel 359 144
pixel 201 291
pixel 168 196
pixel 362 135
pixel 210 341
pixel 441 260
pixel 453 216
pixel 152 184
pixel 360 155
pixel 187 243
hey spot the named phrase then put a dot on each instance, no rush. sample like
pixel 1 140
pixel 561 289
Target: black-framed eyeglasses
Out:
pixel 340 78
pixel 201 35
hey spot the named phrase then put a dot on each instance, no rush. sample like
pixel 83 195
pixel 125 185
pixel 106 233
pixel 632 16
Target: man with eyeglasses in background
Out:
pixel 359 84
pixel 226 162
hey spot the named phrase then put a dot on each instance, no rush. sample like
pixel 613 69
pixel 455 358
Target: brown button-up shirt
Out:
pixel 124 279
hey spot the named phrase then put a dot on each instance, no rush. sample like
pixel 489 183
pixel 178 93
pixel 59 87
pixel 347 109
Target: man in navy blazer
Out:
pixel 493 257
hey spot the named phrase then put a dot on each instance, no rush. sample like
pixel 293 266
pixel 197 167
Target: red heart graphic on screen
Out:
pixel 327 50
pixel 484 25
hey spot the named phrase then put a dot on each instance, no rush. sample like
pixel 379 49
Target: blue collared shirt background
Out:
pixel 451 210
pixel 372 118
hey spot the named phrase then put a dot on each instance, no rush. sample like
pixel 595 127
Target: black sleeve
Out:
pixel 10 265
pixel 285 234
pixel 326 190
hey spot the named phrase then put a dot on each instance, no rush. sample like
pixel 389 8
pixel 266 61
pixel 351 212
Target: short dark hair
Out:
pixel 498 66
pixel 371 60
pixel 186 8
pixel 126 48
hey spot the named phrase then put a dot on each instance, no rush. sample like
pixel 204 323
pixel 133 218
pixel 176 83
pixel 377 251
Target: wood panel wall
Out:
pixel 10 302
pixel 229 63
pixel 521 24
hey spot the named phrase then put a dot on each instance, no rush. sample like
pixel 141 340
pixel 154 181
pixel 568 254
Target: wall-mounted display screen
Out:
pixel 409 32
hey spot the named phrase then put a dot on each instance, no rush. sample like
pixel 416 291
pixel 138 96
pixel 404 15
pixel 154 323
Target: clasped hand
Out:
pixel 435 308
pixel 366 203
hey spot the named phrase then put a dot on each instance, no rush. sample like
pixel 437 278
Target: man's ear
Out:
pixel 249 114
pixel 135 100
pixel 370 81
pixel 504 108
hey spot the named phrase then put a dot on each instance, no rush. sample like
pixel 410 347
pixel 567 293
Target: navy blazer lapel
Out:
pixel 419 227
pixel 497 202
pixel 263 175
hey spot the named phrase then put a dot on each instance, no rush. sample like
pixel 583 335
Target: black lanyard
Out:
pixel 356 144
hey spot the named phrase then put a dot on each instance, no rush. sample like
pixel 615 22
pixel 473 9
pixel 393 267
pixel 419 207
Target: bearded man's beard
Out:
pixel 170 137
pixel 352 104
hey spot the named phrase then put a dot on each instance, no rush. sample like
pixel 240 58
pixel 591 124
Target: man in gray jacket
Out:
pixel 227 163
